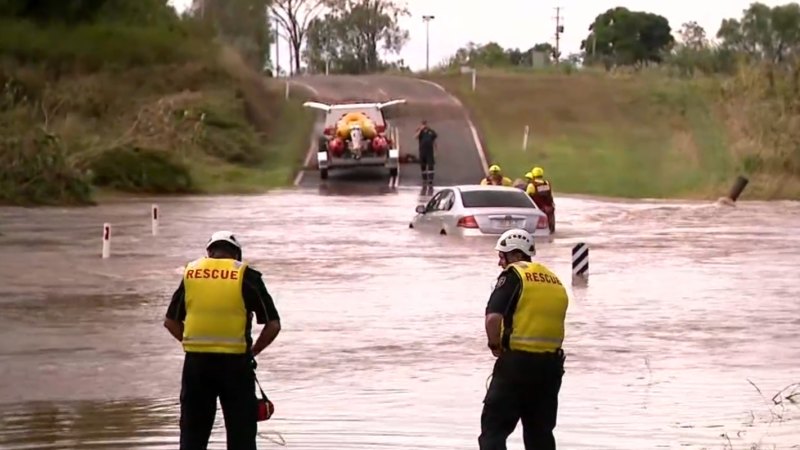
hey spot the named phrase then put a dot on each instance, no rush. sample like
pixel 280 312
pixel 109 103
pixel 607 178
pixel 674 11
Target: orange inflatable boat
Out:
pixel 349 119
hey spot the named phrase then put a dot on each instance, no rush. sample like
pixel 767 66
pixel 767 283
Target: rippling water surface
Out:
pixel 690 310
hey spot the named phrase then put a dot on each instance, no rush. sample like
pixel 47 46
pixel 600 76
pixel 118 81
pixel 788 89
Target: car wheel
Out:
pixel 410 225
pixel 443 233
pixel 323 174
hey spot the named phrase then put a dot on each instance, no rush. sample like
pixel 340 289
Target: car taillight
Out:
pixel 467 222
pixel 380 128
pixel 542 223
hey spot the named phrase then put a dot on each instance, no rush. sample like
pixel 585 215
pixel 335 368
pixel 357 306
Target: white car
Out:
pixel 356 134
pixel 474 210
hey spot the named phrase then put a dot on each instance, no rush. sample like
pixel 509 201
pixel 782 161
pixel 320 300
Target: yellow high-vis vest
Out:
pixel 538 321
pixel 216 316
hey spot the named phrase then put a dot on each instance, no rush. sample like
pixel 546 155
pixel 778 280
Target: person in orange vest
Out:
pixel 524 322
pixel 541 192
pixel 210 315
pixel 496 177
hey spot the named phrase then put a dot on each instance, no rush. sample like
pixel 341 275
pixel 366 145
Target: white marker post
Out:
pixel 154 217
pixel 106 241
pixel 525 138
pixel 474 78
pixel 580 263
pixel 287 89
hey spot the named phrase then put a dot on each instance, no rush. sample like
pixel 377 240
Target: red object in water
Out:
pixel 265 409
pixel 336 147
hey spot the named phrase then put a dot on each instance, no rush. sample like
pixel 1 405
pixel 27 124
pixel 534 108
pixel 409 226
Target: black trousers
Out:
pixel 207 376
pixel 427 163
pixel 524 386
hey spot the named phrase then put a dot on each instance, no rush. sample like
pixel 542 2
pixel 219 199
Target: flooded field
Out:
pixel 690 310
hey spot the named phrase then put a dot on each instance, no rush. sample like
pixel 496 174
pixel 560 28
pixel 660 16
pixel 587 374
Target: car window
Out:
pixel 446 202
pixel 496 199
pixel 373 113
pixel 432 203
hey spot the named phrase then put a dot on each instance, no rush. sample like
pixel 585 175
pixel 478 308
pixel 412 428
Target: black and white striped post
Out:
pixel 580 263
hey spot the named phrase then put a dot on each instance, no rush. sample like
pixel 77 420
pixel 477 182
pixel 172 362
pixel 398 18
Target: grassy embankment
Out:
pixel 159 110
pixel 635 135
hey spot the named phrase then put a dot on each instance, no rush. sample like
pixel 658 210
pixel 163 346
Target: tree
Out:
pixel 294 17
pixel 764 33
pixel 623 37
pixel 350 36
pixel 242 24
pixel 693 36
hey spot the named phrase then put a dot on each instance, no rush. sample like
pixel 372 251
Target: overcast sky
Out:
pixel 523 23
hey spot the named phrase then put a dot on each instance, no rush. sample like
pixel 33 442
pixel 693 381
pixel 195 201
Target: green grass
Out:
pixel 98 109
pixel 624 136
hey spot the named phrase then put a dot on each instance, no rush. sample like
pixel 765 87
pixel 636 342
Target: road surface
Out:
pixel 459 159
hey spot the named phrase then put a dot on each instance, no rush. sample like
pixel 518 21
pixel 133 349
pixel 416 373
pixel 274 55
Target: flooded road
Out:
pixel 383 344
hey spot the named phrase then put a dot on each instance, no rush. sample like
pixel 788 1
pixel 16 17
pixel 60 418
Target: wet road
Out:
pixel 382 343
pixel 457 159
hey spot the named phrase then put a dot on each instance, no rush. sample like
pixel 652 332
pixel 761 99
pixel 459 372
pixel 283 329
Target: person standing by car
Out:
pixel 523 183
pixel 426 136
pixel 541 192
pixel 496 177
pixel 525 329
pixel 210 314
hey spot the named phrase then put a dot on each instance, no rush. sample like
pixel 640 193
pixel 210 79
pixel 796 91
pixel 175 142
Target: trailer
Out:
pixel 357 135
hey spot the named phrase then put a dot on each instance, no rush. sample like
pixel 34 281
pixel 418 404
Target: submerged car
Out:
pixel 472 210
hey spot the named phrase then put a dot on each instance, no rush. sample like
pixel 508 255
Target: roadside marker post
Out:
pixel 525 138
pixel 106 252
pixel 154 217
pixel 580 264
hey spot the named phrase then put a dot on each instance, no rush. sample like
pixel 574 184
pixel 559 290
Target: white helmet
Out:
pixel 223 236
pixel 516 239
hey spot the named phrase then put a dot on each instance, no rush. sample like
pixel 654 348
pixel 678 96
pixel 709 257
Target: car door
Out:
pixel 426 220
pixel 444 203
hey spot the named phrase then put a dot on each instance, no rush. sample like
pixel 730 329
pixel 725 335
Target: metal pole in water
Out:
pixel 106 241
pixel 154 217
pixel 580 263
pixel 737 188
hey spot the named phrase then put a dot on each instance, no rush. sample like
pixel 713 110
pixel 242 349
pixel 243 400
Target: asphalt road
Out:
pixel 458 158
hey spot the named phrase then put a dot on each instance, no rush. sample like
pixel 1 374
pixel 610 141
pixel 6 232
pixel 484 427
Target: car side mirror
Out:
pixel 420 209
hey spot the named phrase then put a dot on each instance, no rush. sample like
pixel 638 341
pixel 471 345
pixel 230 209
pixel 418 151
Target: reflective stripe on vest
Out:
pixel 538 321
pixel 216 317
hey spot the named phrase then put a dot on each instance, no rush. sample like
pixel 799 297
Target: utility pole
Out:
pixel 559 30
pixel 427 20
pixel 277 49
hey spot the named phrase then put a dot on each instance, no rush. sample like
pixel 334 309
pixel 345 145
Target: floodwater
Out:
pixel 383 344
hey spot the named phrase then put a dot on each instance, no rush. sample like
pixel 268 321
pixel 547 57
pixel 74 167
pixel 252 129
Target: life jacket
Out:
pixel 505 181
pixel 537 324
pixel 216 316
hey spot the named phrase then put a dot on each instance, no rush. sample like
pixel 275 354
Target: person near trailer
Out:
pixel 525 329
pixel 427 137
pixel 210 314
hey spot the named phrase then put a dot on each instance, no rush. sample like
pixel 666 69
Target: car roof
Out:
pixel 478 187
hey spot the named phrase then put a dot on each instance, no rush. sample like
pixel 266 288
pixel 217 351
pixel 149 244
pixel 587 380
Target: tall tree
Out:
pixel 623 37
pixel 764 33
pixel 352 34
pixel 294 17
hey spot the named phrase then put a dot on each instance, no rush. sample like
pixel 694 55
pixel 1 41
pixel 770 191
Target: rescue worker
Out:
pixel 496 177
pixel 523 184
pixel 525 328
pixel 541 192
pixel 426 137
pixel 210 314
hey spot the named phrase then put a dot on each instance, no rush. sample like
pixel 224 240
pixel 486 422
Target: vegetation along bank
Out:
pixel 655 117
pixel 128 96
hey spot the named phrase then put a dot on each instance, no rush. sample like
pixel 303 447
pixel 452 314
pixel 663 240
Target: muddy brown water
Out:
pixel 383 343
